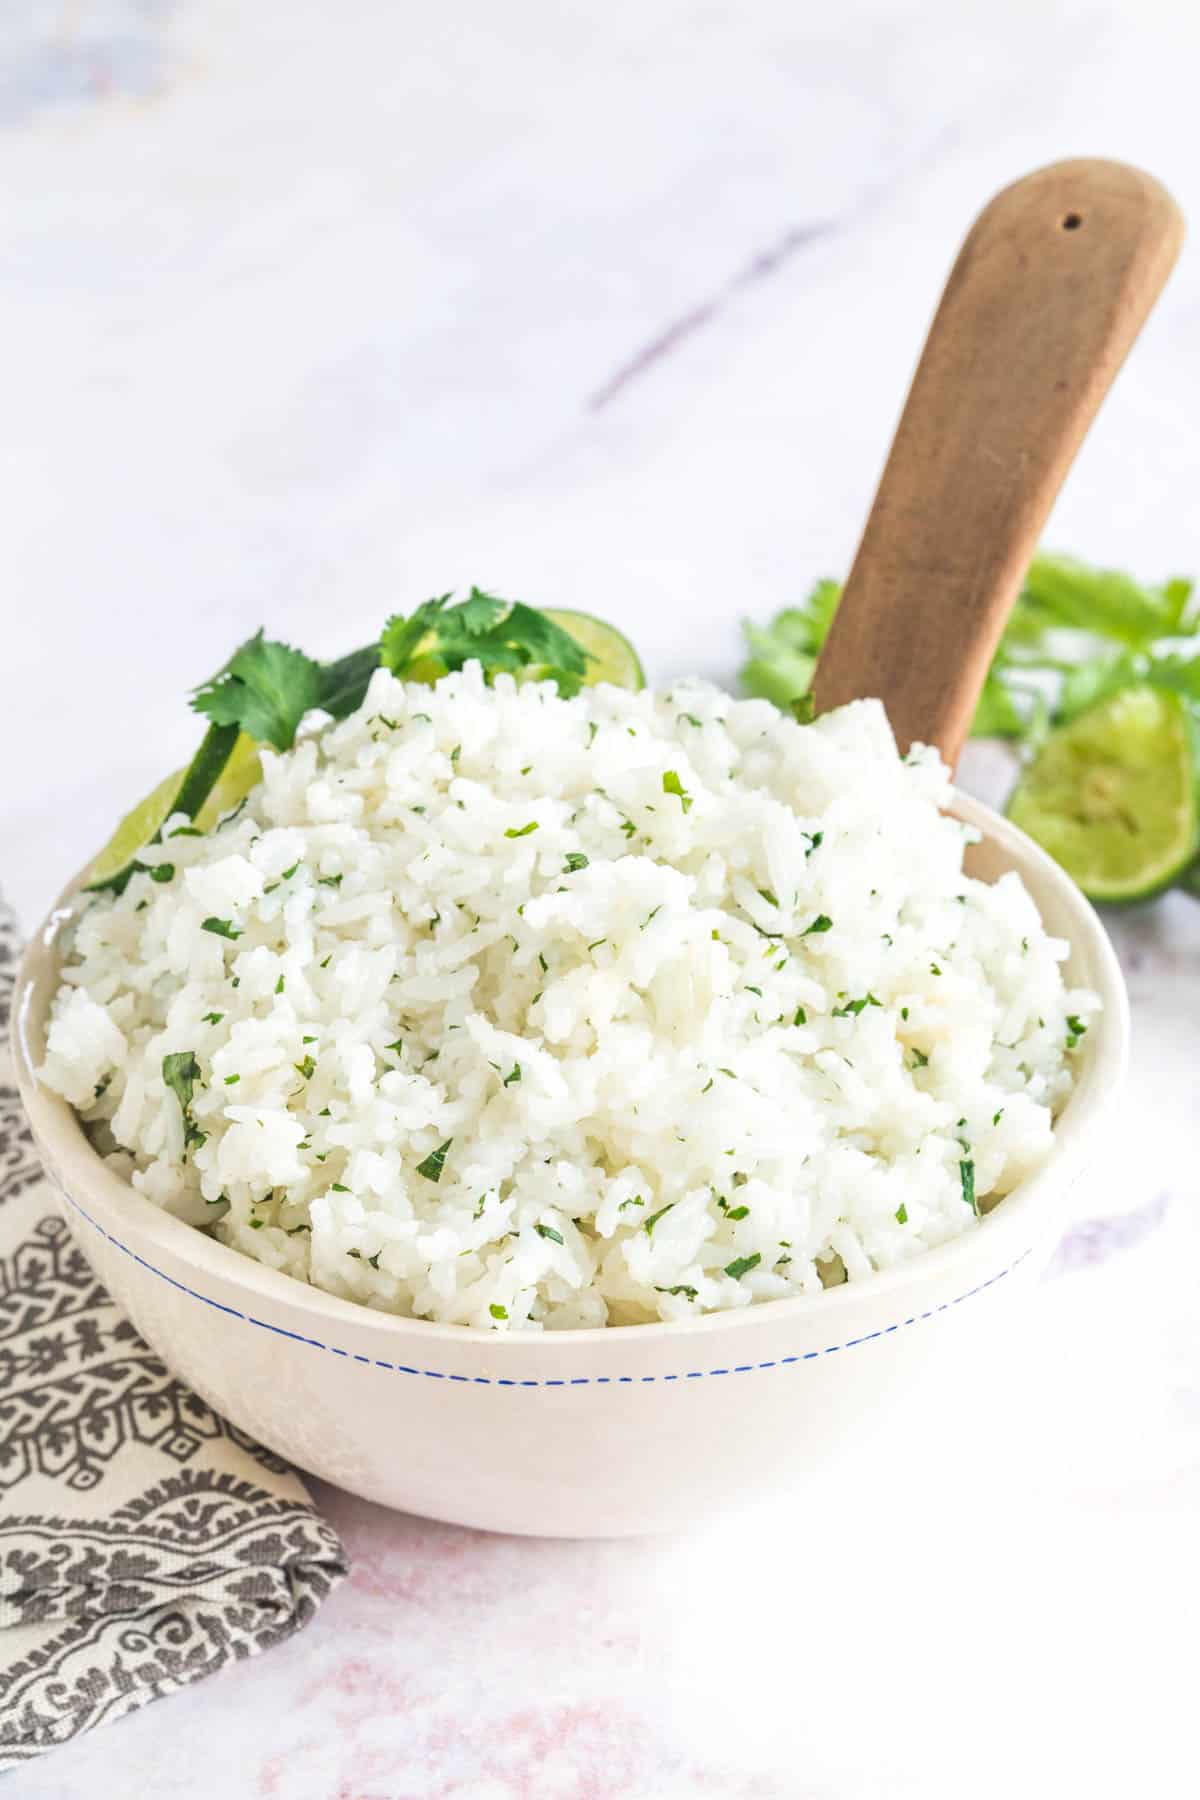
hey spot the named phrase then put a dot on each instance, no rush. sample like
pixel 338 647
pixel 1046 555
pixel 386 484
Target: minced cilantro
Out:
pixel 514 1075
pixel 1075 1030
pixel 742 1265
pixel 519 831
pixel 435 1162
pixel 575 860
pixel 902 1214
pixel 852 1008
pixel 822 922
pixel 548 1231
pixel 672 785
pixel 220 928
pixel 649 1224
pixel 213 1018
pixel 689 1293
pixel 497 1311
pixel 305 1067
pixel 181 1072
pixel 966 1176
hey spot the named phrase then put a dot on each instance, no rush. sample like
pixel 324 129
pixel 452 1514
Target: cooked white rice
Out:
pixel 691 1006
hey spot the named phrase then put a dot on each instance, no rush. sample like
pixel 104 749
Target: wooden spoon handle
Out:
pixel 1050 290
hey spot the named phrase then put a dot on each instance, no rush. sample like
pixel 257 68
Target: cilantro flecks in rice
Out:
pixel 525 1011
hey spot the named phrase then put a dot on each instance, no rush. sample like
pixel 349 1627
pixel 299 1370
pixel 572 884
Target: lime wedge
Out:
pixel 611 656
pixel 216 780
pixel 136 829
pixel 242 771
pixel 1113 795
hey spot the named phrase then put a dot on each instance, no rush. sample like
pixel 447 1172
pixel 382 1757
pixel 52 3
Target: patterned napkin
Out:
pixel 144 1542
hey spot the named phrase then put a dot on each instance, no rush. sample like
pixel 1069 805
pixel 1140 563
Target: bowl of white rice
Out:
pixel 573 1115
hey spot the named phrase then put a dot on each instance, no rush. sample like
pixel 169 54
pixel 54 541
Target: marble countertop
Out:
pixel 610 308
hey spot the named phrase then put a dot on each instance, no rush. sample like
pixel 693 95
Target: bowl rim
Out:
pixel 1011 1224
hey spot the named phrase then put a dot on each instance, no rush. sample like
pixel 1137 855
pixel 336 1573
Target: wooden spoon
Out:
pixel 1050 289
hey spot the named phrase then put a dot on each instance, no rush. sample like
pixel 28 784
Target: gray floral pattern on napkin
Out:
pixel 144 1541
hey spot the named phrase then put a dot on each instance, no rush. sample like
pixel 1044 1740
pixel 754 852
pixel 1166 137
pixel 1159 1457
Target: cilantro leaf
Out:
pixel 672 785
pixel 220 928
pixel 265 688
pixel 966 1176
pixel 344 683
pixel 181 1072
pixel 435 1162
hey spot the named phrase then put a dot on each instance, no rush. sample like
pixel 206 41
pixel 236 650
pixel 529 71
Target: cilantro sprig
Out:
pixel 1076 635
pixel 504 636
pixel 267 687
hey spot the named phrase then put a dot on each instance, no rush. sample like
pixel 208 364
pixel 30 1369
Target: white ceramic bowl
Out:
pixel 579 1433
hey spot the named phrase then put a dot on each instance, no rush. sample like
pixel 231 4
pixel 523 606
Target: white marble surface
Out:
pixel 310 313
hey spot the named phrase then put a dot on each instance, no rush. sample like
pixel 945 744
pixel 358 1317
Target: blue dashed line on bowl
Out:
pixel 298 1337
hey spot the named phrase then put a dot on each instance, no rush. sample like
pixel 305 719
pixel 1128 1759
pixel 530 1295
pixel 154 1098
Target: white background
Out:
pixel 310 312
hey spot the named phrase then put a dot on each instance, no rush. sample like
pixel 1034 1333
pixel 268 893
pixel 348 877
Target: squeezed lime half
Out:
pixel 1113 795
pixel 611 656
pixel 225 776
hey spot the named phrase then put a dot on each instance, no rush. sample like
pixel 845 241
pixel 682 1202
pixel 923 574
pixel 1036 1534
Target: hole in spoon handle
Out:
pixel 1050 289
